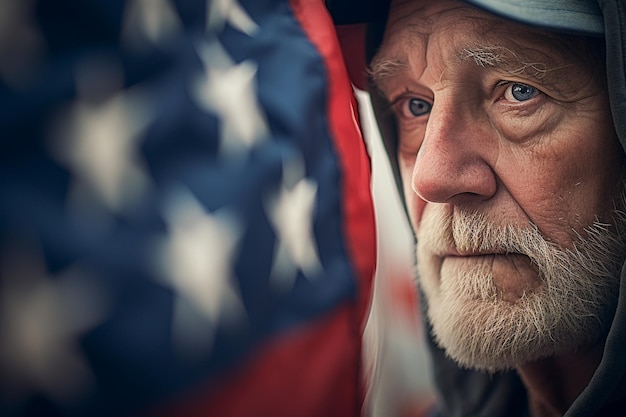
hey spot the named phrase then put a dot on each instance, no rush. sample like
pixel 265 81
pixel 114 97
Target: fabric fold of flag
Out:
pixel 186 225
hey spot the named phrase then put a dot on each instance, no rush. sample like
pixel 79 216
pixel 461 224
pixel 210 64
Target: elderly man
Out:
pixel 507 140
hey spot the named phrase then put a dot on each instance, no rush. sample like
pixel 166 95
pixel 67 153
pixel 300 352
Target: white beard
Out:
pixel 571 306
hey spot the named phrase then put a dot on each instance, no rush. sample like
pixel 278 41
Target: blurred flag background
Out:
pixel 186 224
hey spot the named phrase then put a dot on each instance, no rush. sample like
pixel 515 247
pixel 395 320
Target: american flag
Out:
pixel 186 225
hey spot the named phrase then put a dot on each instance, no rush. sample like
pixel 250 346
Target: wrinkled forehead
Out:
pixel 411 20
pixel 414 26
pixel 412 23
pixel 427 13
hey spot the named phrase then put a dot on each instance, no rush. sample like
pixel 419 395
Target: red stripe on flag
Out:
pixel 354 162
pixel 355 165
pixel 308 372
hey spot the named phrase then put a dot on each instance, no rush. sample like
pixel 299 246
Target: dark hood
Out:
pixel 463 392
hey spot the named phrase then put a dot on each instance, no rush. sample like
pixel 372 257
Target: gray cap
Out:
pixel 575 16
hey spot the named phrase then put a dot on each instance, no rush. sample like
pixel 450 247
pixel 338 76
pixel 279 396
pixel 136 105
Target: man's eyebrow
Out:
pixel 488 56
pixel 529 63
pixel 383 68
pixel 506 60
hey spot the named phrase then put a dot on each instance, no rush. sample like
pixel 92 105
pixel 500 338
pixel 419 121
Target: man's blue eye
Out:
pixel 522 92
pixel 419 107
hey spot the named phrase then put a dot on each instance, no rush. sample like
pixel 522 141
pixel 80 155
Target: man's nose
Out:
pixel 452 164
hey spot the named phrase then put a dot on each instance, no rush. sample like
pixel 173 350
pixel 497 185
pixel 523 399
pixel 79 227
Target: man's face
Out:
pixel 511 171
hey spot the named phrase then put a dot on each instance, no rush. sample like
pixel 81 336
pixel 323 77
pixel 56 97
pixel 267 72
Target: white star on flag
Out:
pixel 98 141
pixel 41 320
pixel 229 90
pixel 196 261
pixel 149 22
pixel 222 11
pixel 291 215
pixel 21 43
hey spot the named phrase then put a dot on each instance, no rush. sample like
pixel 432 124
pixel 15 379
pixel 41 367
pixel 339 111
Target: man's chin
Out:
pixel 497 312
pixel 491 333
pixel 491 338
